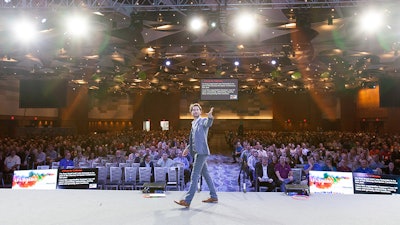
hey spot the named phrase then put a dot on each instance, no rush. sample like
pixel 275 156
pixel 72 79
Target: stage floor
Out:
pixel 75 207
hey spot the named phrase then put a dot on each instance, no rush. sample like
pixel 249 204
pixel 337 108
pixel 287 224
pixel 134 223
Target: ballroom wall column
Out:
pixel 75 115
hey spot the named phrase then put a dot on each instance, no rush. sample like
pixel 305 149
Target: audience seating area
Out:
pixel 118 156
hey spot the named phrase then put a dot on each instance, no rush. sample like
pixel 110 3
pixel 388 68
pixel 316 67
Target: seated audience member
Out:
pixel 328 165
pixel 311 165
pixel 140 156
pixel 318 159
pixel 66 161
pixel 364 167
pixel 265 174
pixel 52 154
pixel 148 163
pixel 251 163
pixel 391 169
pixel 119 158
pixel 237 152
pixel 395 156
pixel 344 166
pixel 93 158
pixel 1 162
pixel 30 161
pixel 79 159
pixel 12 162
pixel 283 173
pixel 132 153
pixel 183 162
pixel 376 163
pixel 41 156
pixel 165 161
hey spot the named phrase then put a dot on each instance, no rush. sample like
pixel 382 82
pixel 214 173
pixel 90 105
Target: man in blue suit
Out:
pixel 198 147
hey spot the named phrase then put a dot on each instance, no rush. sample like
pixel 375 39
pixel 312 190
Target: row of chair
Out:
pixel 135 177
pixel 122 176
pixel 55 165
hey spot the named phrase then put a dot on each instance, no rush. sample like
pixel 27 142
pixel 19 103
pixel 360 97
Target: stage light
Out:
pixel 167 62
pixel 236 63
pixel 77 25
pixel 213 24
pixel 274 62
pixel 245 24
pixel 196 24
pixel 25 30
pixel 371 21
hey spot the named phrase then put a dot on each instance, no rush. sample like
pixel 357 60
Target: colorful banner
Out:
pixel 35 179
pixel 331 182
pixel 51 179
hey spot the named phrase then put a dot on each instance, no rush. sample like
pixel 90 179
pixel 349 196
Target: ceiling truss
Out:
pixel 178 5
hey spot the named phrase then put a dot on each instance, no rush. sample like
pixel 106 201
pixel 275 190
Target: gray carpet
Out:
pixel 224 173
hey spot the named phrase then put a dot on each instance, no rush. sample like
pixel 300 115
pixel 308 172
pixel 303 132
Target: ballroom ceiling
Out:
pixel 317 45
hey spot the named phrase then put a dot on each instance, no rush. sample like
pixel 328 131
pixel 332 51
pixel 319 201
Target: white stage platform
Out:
pixel 75 207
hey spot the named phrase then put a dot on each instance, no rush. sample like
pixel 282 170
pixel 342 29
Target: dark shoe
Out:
pixel 211 200
pixel 182 203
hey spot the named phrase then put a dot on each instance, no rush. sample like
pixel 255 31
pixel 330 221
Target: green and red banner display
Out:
pixel 50 179
pixel 353 183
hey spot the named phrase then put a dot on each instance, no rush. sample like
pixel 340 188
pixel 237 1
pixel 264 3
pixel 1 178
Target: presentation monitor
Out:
pixel 77 178
pixel 219 89
pixel 376 183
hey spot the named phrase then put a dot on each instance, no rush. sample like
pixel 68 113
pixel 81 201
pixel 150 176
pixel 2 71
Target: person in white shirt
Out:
pixel 165 161
pixel 183 162
pixel 12 162
pixel 251 162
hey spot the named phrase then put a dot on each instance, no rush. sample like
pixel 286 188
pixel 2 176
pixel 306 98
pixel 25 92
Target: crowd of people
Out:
pixel 267 157
pixel 164 148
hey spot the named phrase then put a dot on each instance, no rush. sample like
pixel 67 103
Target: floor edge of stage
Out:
pixel 75 207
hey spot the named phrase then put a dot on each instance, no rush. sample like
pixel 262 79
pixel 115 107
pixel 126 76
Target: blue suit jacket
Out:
pixel 200 130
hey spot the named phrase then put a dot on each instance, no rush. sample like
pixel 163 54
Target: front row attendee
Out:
pixel 66 161
pixel 364 167
pixel 283 173
pixel 391 169
pixel 147 162
pixel 265 175
pixel 11 163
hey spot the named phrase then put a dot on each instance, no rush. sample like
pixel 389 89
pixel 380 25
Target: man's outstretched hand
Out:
pixel 210 113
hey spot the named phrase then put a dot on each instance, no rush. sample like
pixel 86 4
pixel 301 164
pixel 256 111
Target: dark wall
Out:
pixel 156 107
pixel 348 111
pixel 75 115
pixel 300 108
pixel 295 111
